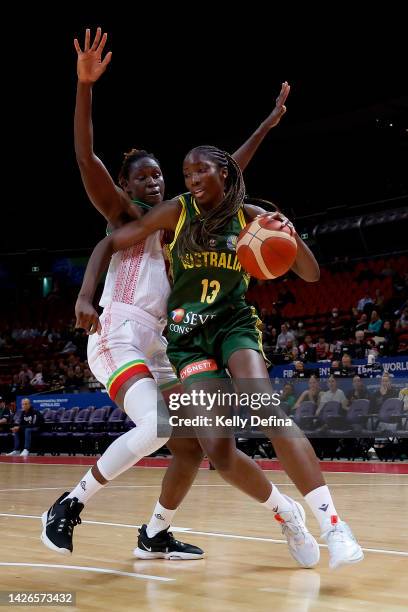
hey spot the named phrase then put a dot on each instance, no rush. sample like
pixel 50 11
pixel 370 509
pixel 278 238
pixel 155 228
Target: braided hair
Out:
pixel 196 233
pixel 134 155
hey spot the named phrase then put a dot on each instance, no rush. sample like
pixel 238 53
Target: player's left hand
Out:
pixel 285 222
pixel 280 109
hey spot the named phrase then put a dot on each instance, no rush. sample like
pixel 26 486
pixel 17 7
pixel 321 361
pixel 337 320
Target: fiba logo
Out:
pixel 178 315
pixel 232 242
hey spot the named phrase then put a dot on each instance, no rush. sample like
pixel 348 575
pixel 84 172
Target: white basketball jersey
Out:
pixel 137 276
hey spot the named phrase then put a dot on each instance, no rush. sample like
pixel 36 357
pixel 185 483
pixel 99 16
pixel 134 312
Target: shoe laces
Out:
pixel 290 524
pixel 171 538
pixel 336 533
pixel 67 523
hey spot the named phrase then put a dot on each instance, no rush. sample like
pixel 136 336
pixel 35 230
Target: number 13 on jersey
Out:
pixel 210 290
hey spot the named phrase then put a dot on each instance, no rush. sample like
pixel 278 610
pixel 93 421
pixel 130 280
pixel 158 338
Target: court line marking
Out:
pixel 83 568
pixel 231 536
pixel 281 484
pixel 157 467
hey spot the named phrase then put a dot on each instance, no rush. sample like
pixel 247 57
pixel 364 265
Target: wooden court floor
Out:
pixel 247 565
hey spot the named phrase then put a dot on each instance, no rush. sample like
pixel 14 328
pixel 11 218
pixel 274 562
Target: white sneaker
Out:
pixel 302 545
pixel 13 453
pixel 24 453
pixel 343 546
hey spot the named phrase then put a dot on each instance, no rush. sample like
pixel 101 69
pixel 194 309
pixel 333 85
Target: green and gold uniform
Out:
pixel 208 318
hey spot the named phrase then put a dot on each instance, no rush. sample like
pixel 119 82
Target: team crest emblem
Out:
pixel 212 242
pixel 232 243
pixel 178 315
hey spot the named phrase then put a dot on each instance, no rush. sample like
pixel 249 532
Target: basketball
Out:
pixel 265 249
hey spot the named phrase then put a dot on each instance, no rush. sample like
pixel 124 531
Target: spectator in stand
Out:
pixel 290 352
pixel 360 347
pixel 333 326
pixel 38 380
pixel 375 324
pixel 322 349
pixel 346 366
pixel 378 300
pixel 403 395
pixel 5 415
pixel 299 371
pixel 311 394
pixel 78 376
pixel 402 323
pixel 358 391
pixel 31 421
pixel 307 351
pixel 362 323
pixel 298 330
pixel 270 339
pixel 386 340
pixel 385 391
pixel 283 337
pixel 364 302
pixel 333 394
pixel 25 375
pixel 288 396
pixel 337 349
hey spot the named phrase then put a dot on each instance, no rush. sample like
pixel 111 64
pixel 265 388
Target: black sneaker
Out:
pixel 59 522
pixel 164 546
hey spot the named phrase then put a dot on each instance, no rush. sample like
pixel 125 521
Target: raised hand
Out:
pixel 90 65
pixel 280 109
pixel 86 316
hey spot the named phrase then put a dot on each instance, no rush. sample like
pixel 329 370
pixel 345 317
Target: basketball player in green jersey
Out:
pixel 218 330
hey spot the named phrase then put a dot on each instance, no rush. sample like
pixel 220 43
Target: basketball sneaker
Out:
pixel 302 545
pixel 13 453
pixel 343 546
pixel 164 546
pixel 59 522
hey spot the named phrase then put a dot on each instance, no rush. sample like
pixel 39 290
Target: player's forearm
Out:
pixel 97 264
pixel 246 152
pixel 305 264
pixel 83 129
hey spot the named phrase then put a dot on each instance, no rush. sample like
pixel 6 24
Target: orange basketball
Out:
pixel 266 250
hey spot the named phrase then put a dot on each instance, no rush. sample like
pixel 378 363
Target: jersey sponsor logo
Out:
pixel 198 367
pixel 232 242
pixel 188 321
pixel 177 315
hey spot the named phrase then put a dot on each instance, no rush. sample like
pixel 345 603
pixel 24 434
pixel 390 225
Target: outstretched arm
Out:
pixel 162 216
pixel 109 199
pixel 246 152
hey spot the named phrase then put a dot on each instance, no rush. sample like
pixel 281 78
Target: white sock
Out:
pixel 321 504
pixel 160 519
pixel 276 501
pixel 86 488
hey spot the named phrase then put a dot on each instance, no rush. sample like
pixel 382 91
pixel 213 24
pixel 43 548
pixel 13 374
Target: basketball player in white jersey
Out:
pixel 128 355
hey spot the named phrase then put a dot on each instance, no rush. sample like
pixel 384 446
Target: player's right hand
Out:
pixel 86 316
pixel 90 65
